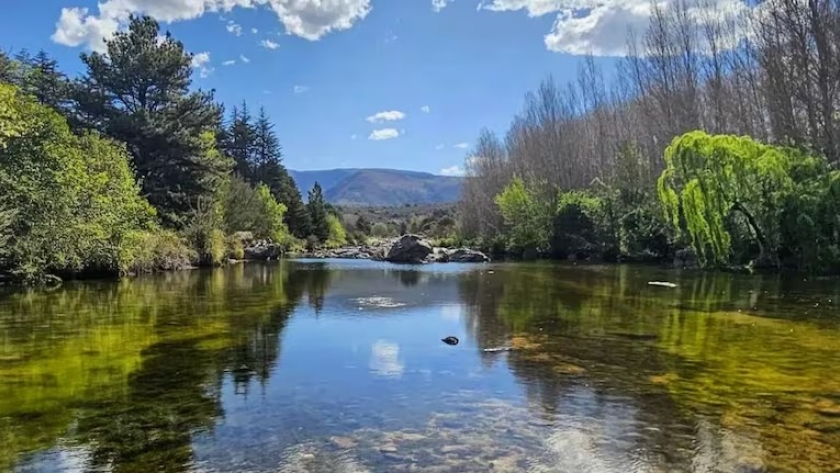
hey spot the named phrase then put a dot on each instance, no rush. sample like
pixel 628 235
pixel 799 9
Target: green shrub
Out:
pixel 159 250
pixel 75 197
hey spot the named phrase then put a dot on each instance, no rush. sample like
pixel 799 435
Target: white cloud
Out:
pixel 309 19
pixel 353 136
pixel 425 109
pixel 254 30
pixel 300 89
pixel 440 147
pixel 390 116
pixel 438 5
pixel 452 171
pixel 229 62
pixel 201 63
pixel 461 145
pixel 244 59
pixel 234 28
pixel 269 44
pixel 383 134
pixel 601 27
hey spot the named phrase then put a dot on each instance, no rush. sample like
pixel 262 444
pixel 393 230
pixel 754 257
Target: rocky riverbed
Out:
pixel 412 249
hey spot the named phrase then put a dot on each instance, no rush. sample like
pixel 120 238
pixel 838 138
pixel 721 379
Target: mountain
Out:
pixel 379 187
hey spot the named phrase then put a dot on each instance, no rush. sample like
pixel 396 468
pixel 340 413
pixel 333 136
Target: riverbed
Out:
pixel 338 366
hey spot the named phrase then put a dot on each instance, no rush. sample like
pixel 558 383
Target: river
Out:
pixel 338 366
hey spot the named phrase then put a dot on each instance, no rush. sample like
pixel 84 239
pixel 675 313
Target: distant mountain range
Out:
pixel 379 187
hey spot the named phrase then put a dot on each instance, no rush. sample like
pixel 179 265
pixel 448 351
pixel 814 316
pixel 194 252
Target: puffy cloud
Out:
pixel 601 27
pixel 425 109
pixel 383 134
pixel 269 44
pixel 309 19
pixel 353 136
pixel 438 5
pixel 461 145
pixel 201 63
pixel 244 59
pixel 254 30
pixel 300 89
pixel 452 171
pixel 229 62
pixel 234 28
pixel 389 116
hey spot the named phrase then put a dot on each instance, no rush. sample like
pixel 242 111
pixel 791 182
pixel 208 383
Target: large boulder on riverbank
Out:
pixel 409 249
pixel 262 250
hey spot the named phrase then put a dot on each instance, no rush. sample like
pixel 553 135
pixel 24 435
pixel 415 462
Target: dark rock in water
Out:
pixel 409 249
pixel 263 251
pixel 450 340
pixel 466 255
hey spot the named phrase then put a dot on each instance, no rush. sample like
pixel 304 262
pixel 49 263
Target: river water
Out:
pixel 338 366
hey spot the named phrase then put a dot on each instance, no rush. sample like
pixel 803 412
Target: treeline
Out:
pixel 129 168
pixel 667 157
pixel 435 221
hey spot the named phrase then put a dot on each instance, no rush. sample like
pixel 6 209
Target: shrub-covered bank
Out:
pixel 128 168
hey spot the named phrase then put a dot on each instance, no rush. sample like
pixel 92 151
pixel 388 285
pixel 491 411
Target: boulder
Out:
pixel 466 255
pixel 409 249
pixel 263 251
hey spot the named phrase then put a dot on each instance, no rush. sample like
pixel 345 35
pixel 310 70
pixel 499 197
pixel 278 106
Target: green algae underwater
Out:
pixel 337 366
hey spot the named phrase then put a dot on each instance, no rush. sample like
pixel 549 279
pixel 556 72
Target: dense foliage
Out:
pixel 741 131
pixel 129 168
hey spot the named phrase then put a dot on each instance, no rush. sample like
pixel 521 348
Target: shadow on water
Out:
pixel 604 373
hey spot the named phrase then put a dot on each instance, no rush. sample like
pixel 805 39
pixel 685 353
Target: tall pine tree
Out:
pixel 318 213
pixel 139 92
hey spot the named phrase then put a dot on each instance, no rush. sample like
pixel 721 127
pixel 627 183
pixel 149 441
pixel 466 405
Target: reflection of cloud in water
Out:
pixel 451 312
pixel 384 302
pixel 384 359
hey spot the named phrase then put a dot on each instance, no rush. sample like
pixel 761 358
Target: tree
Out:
pixel 138 92
pixel 363 225
pixel 527 218
pixel 75 200
pixel 338 235
pixel 297 217
pixel 318 213
pixel 713 184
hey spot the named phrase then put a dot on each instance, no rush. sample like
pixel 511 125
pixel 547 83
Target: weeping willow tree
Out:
pixel 716 187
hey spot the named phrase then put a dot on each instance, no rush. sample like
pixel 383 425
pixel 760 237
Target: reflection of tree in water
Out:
pixel 162 347
pixel 677 355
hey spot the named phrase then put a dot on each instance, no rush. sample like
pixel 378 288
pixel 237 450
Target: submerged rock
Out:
pixel 466 255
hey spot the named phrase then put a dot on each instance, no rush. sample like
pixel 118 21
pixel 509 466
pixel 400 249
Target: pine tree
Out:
pixel 138 92
pixel 363 225
pixel 297 216
pixel 318 213
pixel 241 137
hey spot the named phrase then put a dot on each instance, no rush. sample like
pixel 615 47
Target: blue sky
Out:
pixel 422 76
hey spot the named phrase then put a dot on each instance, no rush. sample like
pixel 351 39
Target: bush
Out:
pixel 255 210
pixel 75 197
pixel 338 236
pixel 527 218
pixel 159 250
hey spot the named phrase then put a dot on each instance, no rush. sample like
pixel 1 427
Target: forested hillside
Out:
pixel 719 135
pixel 128 167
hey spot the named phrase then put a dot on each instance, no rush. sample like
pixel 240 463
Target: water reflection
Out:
pixel 325 366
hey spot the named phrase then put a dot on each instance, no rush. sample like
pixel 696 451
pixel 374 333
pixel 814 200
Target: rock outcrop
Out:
pixel 409 249
pixel 405 249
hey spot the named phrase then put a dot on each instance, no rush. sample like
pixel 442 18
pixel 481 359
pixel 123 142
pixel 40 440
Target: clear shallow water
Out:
pixel 337 366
